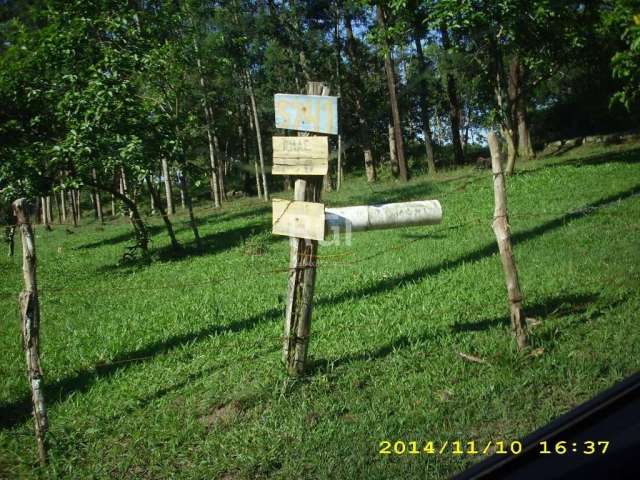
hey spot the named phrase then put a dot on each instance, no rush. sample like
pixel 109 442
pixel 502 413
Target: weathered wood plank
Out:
pixel 299 169
pixel 308 113
pixel 298 219
pixel 301 147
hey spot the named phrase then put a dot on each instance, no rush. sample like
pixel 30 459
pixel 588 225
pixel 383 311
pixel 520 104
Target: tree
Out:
pixel 622 17
pixel 393 101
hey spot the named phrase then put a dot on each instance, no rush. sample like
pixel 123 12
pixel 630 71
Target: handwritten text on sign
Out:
pixel 300 155
pixel 309 113
pixel 298 219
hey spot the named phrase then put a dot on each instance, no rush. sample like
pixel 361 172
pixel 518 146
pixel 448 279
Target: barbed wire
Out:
pixel 317 260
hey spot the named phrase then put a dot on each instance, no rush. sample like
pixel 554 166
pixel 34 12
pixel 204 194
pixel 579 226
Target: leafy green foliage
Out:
pixel 625 16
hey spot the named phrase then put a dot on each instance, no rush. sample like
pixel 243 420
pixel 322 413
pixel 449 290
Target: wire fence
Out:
pixel 333 260
pixel 339 260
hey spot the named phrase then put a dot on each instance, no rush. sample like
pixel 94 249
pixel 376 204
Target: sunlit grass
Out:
pixel 173 369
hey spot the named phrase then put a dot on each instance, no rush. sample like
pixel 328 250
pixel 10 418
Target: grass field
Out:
pixel 172 370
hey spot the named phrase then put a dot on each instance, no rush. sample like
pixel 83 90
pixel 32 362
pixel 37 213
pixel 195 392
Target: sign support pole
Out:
pixel 302 273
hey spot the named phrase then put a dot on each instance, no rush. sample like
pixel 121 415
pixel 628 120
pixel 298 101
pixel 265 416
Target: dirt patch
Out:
pixel 222 415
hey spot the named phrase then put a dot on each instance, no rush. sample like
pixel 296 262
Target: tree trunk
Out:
pixel 208 113
pixel 512 151
pixel 166 173
pixel 256 121
pixel 49 210
pixel 152 203
pixel 97 200
pixel 393 157
pixel 165 218
pixel 454 104
pixel 124 191
pixel 339 168
pixel 326 180
pixel 30 313
pixel 46 214
pixel 466 123
pixel 510 128
pixel 336 45
pixel 192 219
pixel 370 167
pixel 424 110
pixel 255 156
pixel 364 131
pixel 113 199
pixel 142 236
pixel 78 204
pixel 57 207
pixel 63 205
pixel 43 211
pixel 525 149
pixel 139 228
pixel 503 236
pixel 213 178
pixel 72 203
pixel 183 203
pixel 393 102
pixel 10 233
pixel 220 176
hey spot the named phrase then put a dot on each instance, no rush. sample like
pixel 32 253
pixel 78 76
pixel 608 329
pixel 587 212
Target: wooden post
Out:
pixel 302 273
pixel 500 227
pixel 30 313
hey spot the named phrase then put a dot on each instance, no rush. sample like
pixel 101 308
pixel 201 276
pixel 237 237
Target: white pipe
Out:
pixel 377 217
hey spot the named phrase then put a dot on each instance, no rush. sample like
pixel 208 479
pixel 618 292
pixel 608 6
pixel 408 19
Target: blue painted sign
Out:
pixel 308 113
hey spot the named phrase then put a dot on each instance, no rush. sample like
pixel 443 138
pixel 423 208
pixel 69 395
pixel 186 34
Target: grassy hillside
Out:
pixel 173 369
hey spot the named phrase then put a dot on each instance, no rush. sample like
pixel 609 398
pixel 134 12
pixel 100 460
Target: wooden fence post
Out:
pixel 302 273
pixel 30 313
pixel 500 227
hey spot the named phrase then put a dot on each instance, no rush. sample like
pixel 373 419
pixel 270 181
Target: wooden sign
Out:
pixel 308 113
pixel 300 156
pixel 298 219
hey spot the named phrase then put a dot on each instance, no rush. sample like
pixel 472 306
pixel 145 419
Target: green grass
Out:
pixel 172 370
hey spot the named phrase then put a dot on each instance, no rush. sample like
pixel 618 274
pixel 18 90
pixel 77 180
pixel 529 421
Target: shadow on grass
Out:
pixel 211 244
pixel 123 237
pixel 146 400
pixel 629 157
pixel 14 413
pixel 551 308
pixel 179 225
pixel 235 214
pixel 488 250
pixel 399 193
pixel 322 365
